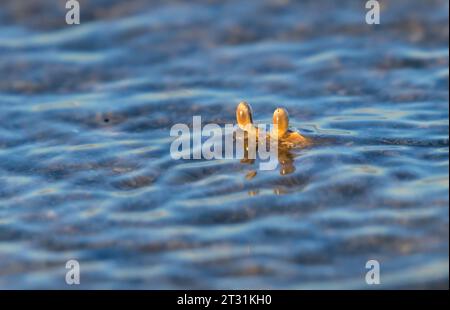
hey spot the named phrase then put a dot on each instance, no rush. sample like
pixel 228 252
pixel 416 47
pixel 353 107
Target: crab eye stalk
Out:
pixel 244 115
pixel 280 122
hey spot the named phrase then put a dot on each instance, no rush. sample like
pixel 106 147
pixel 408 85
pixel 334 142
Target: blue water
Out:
pixel 86 173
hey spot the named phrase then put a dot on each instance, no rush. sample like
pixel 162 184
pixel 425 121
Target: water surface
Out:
pixel 86 173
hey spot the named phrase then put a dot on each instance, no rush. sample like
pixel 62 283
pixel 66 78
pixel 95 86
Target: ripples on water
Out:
pixel 85 170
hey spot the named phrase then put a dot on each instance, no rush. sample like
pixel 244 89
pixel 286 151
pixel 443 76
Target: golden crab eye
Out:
pixel 244 114
pixel 280 121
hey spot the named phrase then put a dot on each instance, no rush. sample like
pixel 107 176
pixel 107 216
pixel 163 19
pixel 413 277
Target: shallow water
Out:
pixel 86 174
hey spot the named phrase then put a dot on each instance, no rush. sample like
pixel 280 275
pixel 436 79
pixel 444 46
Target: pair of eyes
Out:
pixel 279 115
